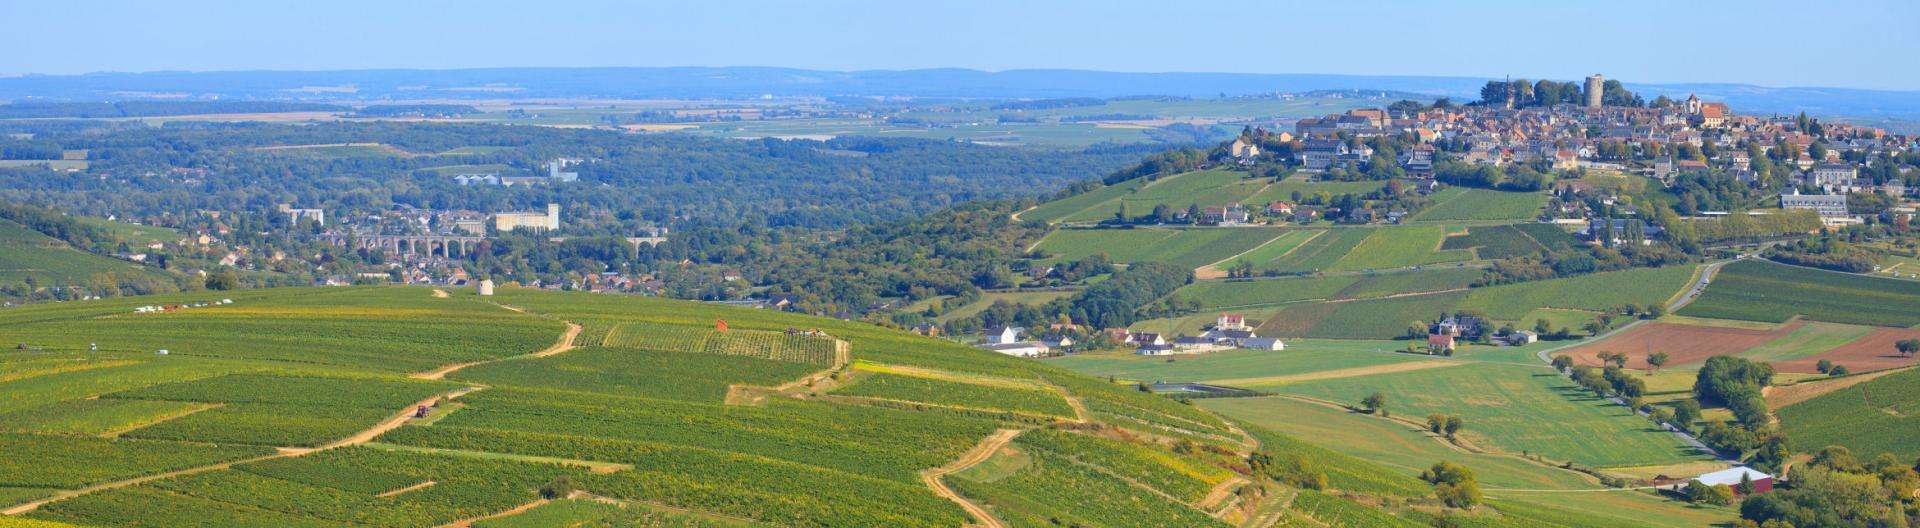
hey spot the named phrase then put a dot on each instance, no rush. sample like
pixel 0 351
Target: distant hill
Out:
pixel 747 82
pixel 25 253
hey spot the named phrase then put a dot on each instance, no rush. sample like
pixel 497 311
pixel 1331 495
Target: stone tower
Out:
pixel 1596 90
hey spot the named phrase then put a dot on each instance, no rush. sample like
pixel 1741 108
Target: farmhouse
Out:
pixel 1001 335
pixel 1439 342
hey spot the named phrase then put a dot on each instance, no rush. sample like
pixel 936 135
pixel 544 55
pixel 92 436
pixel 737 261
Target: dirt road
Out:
pixel 564 344
pixel 395 421
pixel 979 453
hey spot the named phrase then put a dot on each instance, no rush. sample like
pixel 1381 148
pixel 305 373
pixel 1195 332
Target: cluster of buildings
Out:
pixel 1593 135
pixel 1444 336
pixel 556 173
pixel 1007 340
pixel 1229 332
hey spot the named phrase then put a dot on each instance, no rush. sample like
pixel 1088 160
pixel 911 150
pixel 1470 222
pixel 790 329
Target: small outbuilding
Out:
pixel 1732 476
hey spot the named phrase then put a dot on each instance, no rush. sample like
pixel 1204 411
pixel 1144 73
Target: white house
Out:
pixel 1003 335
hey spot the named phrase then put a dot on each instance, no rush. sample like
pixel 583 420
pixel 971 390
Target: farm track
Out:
pixel 564 344
pixel 364 436
pixel 464 523
pixel 973 457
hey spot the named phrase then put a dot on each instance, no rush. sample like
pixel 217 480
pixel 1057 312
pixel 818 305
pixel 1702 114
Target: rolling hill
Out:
pixel 394 406
pixel 26 254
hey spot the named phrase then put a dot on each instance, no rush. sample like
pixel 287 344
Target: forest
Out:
pixel 145 171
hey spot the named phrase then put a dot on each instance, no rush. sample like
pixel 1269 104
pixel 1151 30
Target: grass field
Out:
pixel 1505 479
pixel 1755 290
pixel 1871 418
pixel 1189 248
pixel 1460 203
pixel 1517 409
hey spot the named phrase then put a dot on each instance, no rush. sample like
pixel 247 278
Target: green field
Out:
pixel 1878 416
pixel 1189 248
pixel 1274 249
pixel 1361 319
pixel 1517 409
pixel 1055 210
pixel 1212 187
pixel 1463 204
pixel 1398 247
pixel 1273 291
pixel 1756 290
pixel 1302 356
pixel 1318 253
pixel 1591 292
pixel 1285 189
pixel 1513 240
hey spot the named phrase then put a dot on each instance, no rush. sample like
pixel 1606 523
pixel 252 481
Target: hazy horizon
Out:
pixel 1767 43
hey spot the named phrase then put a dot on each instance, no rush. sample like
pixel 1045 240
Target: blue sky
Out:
pixel 1863 44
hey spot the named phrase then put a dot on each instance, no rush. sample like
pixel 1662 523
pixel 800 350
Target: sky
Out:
pixel 1846 43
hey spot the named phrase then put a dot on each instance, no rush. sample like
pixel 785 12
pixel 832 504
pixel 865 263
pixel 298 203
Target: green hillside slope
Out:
pixel 27 254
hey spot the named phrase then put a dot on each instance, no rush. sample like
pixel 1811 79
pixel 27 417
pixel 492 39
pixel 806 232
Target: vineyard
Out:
pixel 777 346
pixel 1878 416
pixel 267 409
pixel 1754 290
pixel 926 390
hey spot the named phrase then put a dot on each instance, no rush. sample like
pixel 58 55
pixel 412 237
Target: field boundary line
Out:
pixel 973 457
pixel 403 489
pixel 464 523
pixel 362 437
pixel 1350 372
pixel 943 375
pixel 1200 273
pixel 591 465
